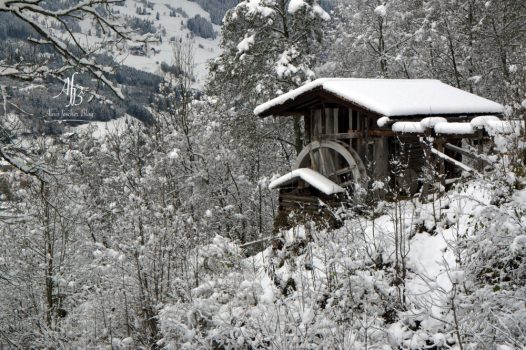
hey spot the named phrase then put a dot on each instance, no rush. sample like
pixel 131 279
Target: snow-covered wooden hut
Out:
pixel 355 128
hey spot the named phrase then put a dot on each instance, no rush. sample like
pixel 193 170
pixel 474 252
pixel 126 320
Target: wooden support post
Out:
pixel 308 127
pixel 439 145
pixel 480 137
pixel 428 167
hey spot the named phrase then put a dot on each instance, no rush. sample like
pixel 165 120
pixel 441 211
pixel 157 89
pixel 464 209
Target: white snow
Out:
pixel 256 7
pixel 296 5
pixel 383 121
pixel 203 50
pixel 457 276
pixel 518 245
pixel 310 176
pixel 483 120
pixel 174 154
pixel 245 44
pixel 321 12
pixel 427 253
pixel 396 97
pixel 454 128
pixel 380 11
pixel 492 124
pixel 267 296
pixel 101 129
pixel 494 127
pixel 430 122
pixel 395 334
pixel 408 127
pixel 504 347
pixel 284 67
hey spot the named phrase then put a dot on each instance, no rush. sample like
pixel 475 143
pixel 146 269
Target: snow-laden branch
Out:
pixel 66 43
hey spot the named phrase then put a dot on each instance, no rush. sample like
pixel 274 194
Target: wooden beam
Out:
pixel 465 152
pixel 308 105
pixel 381 133
pixel 330 97
pixel 453 161
pixel 342 171
pixel 342 136
pixel 347 183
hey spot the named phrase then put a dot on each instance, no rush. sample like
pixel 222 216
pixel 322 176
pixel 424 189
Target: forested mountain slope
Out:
pixel 139 67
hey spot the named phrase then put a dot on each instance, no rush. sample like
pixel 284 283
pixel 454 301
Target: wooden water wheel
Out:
pixel 334 160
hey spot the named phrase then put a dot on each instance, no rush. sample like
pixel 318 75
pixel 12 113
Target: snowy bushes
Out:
pixel 145 227
pixel 462 285
pixel 496 265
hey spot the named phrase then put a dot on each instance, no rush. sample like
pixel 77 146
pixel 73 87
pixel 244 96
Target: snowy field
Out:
pixel 174 27
pixel 99 130
pixel 204 49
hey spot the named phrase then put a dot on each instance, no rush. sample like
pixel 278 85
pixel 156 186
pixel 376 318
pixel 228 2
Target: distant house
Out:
pixel 137 49
pixel 356 129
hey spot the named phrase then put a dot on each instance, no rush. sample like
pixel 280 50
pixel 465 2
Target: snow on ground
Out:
pixel 431 254
pixel 335 273
pixel 101 129
pixel 204 49
pixel 170 27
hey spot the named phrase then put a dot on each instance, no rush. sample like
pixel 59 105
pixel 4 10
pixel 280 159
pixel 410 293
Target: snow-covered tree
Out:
pixel 53 26
pixel 474 45
pixel 375 38
pixel 269 47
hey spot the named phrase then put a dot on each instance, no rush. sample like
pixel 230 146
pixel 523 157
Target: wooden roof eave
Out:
pixel 287 108
pixel 298 105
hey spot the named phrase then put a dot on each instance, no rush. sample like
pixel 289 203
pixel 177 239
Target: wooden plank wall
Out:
pixel 330 122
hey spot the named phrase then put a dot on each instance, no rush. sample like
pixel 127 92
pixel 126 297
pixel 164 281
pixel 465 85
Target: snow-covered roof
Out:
pixel 310 176
pixel 395 97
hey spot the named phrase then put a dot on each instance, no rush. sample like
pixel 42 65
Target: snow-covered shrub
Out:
pixel 496 265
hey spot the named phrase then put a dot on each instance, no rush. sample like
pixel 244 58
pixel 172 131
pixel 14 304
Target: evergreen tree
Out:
pixel 269 47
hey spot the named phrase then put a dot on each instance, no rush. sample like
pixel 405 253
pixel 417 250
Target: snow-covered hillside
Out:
pixel 204 49
pixel 169 29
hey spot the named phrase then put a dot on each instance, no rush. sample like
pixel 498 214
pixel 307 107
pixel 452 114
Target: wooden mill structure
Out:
pixel 357 129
